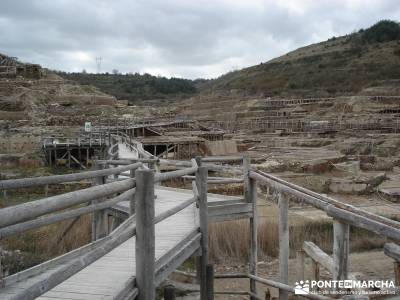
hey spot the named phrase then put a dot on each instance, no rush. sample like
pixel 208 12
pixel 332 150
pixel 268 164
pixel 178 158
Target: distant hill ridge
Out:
pixel 339 66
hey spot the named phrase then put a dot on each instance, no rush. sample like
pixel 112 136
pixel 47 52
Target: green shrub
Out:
pixel 383 31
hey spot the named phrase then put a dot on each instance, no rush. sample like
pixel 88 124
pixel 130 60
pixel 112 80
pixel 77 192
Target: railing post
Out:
pixel 283 244
pixel 1 273
pixel 99 218
pixel 169 292
pixel 315 270
pixel 300 256
pixel 340 249
pixel 145 234
pixel 201 182
pixel 250 194
pixel 197 258
pixel 210 281
pixel 396 267
pixel 132 202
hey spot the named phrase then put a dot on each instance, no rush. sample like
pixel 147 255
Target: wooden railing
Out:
pixel 138 187
pixel 344 216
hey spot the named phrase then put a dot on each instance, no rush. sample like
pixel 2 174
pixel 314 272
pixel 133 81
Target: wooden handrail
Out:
pixel 174 210
pixel 26 211
pixel 57 217
pixel 174 174
pixel 318 200
pixel 54 179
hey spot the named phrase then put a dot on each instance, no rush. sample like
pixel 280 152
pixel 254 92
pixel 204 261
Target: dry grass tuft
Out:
pixel 230 240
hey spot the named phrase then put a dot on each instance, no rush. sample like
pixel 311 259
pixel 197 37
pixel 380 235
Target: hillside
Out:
pixel 338 66
pixel 135 87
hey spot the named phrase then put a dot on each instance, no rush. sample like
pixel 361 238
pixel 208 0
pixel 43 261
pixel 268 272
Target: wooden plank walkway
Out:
pixel 112 275
pixel 109 275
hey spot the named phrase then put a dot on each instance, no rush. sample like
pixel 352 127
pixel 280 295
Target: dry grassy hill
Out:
pixel 339 66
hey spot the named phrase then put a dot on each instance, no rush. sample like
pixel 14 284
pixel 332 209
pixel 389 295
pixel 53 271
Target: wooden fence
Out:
pixel 134 181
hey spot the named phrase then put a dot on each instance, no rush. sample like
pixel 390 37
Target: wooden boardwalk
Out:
pixel 163 227
pixel 112 276
pixel 107 277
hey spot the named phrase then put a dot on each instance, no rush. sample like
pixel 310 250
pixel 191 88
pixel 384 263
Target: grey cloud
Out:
pixel 202 38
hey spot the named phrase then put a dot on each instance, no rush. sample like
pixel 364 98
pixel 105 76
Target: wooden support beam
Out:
pixel 300 264
pixel 145 235
pixel 132 200
pixel 169 292
pixel 315 270
pixel 99 218
pixel 319 256
pixel 201 182
pixel 396 267
pixel 392 250
pixel 210 281
pixel 1 273
pixel 283 244
pixel 87 157
pixel 77 161
pixel 250 194
pixel 340 250
pixel 69 158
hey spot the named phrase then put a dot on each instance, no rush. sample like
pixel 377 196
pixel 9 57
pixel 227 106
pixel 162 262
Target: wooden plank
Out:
pixel 229 209
pixel 230 217
pixel 224 202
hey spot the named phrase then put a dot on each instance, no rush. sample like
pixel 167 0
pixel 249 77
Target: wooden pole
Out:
pixel 250 194
pixel 198 258
pixel 87 157
pixel 283 244
pixel 300 265
pixel 132 202
pixel 210 281
pixel 340 250
pixel 145 235
pixel 169 292
pixel 99 218
pixel 201 182
pixel 315 270
pixel 69 158
pixel 396 266
pixel 1 273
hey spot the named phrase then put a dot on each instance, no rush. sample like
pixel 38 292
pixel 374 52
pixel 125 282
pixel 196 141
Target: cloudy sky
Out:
pixel 182 38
